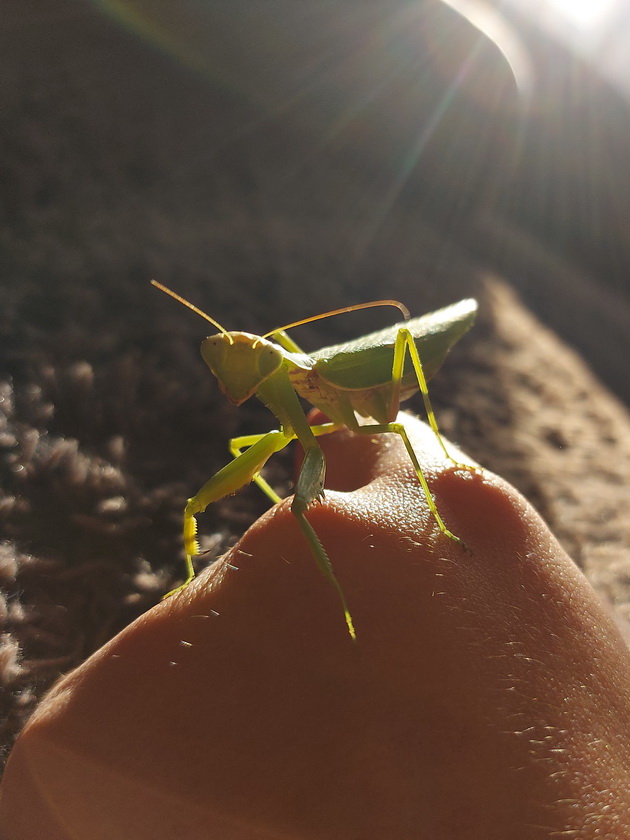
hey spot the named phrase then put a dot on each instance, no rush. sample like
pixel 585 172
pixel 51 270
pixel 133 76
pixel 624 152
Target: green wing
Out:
pixel 366 362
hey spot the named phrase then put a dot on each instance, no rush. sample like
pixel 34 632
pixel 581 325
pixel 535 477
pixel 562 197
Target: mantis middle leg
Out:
pixel 309 489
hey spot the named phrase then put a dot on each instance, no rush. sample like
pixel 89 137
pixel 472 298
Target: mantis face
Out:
pixel 241 362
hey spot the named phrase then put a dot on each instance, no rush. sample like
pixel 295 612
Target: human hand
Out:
pixel 486 697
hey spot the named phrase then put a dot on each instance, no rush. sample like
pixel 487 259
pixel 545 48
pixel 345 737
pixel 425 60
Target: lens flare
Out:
pixel 583 13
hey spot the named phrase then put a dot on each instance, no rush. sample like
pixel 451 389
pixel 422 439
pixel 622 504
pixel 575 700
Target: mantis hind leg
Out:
pixel 399 429
pixel 405 344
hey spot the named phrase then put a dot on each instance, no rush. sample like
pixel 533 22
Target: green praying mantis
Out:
pixel 368 377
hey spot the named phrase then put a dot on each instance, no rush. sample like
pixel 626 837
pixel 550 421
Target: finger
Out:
pixel 472 704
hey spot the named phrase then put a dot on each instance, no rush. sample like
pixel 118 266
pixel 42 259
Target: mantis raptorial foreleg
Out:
pixel 232 477
pixel 285 340
pixel 237 445
pixel 246 468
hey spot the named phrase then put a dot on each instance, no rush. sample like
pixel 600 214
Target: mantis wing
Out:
pixel 366 362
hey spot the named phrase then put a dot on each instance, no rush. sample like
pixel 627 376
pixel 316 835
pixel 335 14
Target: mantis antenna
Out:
pixel 353 308
pixel 192 306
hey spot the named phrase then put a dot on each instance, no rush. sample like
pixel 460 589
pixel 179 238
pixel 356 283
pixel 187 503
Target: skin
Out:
pixel 486 697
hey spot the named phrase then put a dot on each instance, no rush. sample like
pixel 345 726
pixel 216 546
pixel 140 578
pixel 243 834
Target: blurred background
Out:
pixel 271 160
pixel 505 123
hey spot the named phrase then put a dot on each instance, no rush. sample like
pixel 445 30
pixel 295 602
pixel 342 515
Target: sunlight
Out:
pixel 583 13
pixel 597 30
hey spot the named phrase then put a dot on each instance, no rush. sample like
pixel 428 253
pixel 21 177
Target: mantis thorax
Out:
pixel 241 362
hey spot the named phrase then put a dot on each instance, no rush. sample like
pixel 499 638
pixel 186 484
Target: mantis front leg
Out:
pixel 244 469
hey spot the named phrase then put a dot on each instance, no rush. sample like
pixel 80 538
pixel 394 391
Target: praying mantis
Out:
pixel 368 377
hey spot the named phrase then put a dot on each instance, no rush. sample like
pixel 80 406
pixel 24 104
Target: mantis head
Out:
pixel 241 362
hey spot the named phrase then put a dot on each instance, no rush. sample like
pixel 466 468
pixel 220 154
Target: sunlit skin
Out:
pixel 487 695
